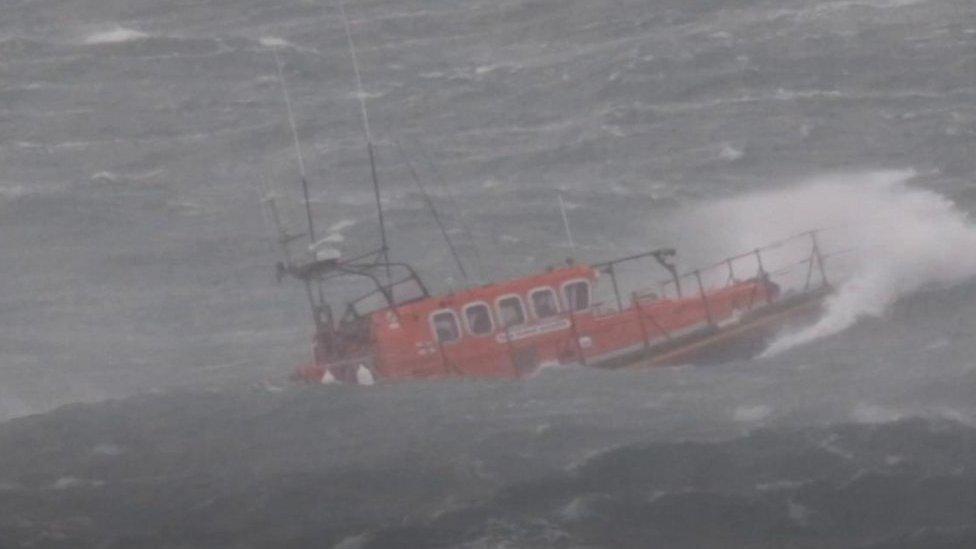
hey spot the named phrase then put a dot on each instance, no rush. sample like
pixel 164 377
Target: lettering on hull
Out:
pixel 522 332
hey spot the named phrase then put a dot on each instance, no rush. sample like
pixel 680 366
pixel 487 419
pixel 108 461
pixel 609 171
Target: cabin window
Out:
pixel 544 303
pixel 577 295
pixel 445 326
pixel 510 311
pixel 479 320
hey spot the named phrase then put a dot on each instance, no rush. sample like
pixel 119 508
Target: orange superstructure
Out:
pixel 513 328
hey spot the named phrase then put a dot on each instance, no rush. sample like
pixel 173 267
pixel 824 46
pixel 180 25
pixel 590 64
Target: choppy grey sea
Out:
pixel 145 344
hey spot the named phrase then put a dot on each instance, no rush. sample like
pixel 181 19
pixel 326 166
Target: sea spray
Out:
pixel 901 238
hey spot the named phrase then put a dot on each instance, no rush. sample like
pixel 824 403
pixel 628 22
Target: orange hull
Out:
pixel 511 329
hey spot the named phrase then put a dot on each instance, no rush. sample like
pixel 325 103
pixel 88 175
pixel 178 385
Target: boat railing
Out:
pixel 653 330
pixel 755 263
pixel 639 314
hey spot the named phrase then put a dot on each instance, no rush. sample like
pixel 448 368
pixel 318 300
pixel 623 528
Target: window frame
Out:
pixel 433 326
pixel 501 317
pixel 555 296
pixel 589 294
pixel 467 321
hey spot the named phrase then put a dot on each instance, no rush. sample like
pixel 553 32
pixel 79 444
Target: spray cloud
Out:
pixel 904 238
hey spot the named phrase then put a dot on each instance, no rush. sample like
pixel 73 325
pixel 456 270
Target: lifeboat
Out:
pixel 576 314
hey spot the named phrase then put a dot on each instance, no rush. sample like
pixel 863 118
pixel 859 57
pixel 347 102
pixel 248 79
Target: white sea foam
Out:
pixel 482 70
pixel 273 42
pixel 730 153
pixel 116 35
pixel 492 183
pixel 871 413
pixel 366 95
pixel 12 192
pixel 751 414
pixel 357 541
pixel 580 507
pixel 905 238
pixel 106 177
pixel 107 449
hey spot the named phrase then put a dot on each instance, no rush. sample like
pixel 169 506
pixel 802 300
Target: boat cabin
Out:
pixel 511 329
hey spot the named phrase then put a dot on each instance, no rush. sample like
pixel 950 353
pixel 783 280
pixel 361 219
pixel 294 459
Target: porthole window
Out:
pixel 510 311
pixel 478 317
pixel 445 325
pixel 577 295
pixel 544 303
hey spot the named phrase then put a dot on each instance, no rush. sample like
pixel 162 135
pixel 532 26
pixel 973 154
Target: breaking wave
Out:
pixel 114 36
pixel 273 42
pixel 903 238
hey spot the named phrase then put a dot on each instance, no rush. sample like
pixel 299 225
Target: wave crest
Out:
pixel 905 238
pixel 115 36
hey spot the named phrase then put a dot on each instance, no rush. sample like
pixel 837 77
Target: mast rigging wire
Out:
pixel 434 213
pixel 479 264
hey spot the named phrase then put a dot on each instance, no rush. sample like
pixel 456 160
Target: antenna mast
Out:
pixel 272 207
pixel 367 134
pixel 298 145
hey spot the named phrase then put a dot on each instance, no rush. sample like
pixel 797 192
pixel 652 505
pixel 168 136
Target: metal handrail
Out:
pixel 815 257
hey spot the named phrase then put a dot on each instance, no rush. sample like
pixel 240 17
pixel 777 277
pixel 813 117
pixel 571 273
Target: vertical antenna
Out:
pixel 434 213
pixel 298 145
pixel 369 138
pixel 457 211
pixel 316 308
pixel 569 234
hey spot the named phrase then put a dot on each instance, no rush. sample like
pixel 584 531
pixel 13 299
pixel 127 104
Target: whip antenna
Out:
pixel 298 145
pixel 457 210
pixel 361 94
pixel 569 234
pixel 433 211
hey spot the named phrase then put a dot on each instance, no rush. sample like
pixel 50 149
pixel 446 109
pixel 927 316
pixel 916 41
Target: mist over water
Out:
pixel 145 347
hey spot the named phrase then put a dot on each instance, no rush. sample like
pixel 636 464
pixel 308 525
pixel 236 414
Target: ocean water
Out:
pixel 145 345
